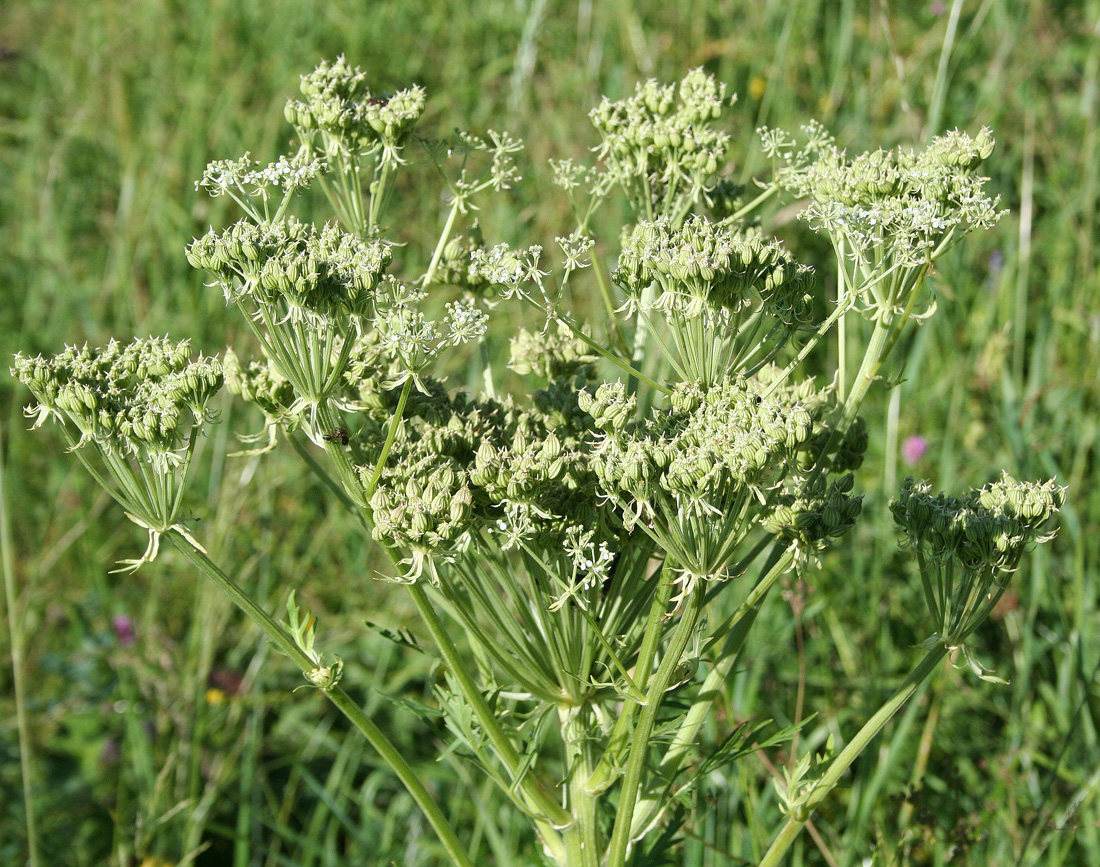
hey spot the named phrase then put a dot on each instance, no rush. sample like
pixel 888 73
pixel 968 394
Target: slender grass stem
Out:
pixel 391 435
pixel 444 236
pixel 15 634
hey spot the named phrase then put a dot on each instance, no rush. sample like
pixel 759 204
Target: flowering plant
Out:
pixel 589 558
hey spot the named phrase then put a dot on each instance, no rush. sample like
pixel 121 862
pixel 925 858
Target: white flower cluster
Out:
pixel 252 179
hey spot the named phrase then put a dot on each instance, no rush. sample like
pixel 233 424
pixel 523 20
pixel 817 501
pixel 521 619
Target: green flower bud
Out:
pixel 461 506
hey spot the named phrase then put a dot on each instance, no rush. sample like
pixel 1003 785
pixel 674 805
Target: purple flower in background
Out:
pixel 913 449
pixel 110 754
pixel 996 263
pixel 124 629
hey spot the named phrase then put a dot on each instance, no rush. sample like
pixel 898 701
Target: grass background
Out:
pixel 190 744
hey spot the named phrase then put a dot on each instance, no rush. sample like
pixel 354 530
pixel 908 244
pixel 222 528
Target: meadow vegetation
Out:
pixel 164 730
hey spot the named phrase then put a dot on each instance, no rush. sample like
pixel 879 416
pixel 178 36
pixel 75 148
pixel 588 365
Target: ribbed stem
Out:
pixel 604 773
pixel 739 625
pixel 582 844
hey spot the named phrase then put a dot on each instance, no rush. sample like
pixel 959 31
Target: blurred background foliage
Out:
pixel 164 731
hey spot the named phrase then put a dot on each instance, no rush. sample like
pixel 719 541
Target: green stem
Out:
pixel 636 760
pixel 379 195
pixel 338 454
pixel 842 306
pixel 344 703
pixel 486 368
pixel 606 293
pixel 738 628
pixel 328 481
pixel 605 772
pixel 391 435
pixel 868 372
pixel 641 338
pixel 829 780
pixel 743 212
pixel 582 840
pixel 873 357
pixel 16 636
pixel 549 815
pixel 842 335
pixel 604 352
pixel 443 238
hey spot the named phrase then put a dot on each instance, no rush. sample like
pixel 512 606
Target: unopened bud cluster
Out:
pixel 425 507
pixel 901 204
pixel 456 267
pixel 139 399
pixel 991 527
pixel 339 104
pixel 704 266
pixel 815 515
pixel 968 546
pixel 298 271
pixel 662 136
pixel 706 443
pixel 554 354
pixel 468 471
pixel 696 475
pixel 259 383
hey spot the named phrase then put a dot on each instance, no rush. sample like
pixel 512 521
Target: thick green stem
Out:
pixel 344 703
pixel 635 763
pixel 549 815
pixel 338 454
pixel 829 780
pixel 873 358
pixel 582 843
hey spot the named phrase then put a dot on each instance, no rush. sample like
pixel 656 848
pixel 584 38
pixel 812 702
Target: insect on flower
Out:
pixel 340 435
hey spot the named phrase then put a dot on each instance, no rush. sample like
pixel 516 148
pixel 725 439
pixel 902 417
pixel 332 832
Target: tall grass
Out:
pixel 108 112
